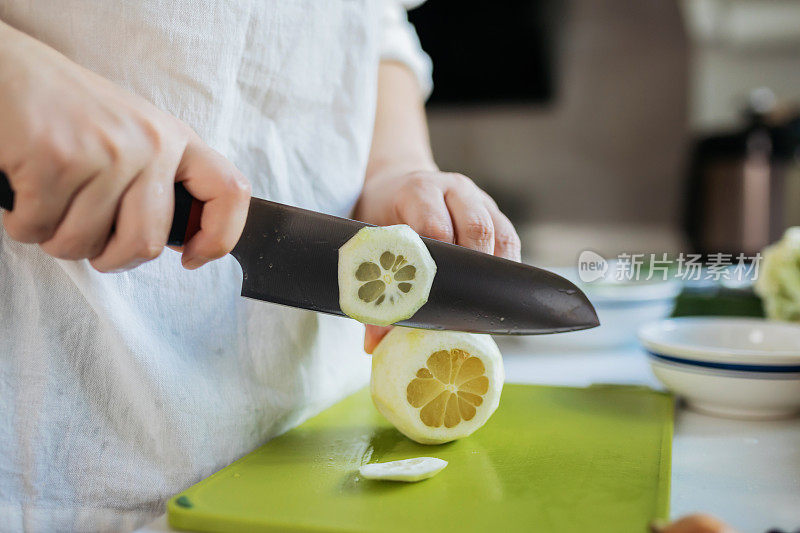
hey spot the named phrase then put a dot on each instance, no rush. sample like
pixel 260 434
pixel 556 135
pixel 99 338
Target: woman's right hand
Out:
pixel 92 166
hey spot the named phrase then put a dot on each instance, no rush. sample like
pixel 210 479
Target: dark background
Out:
pixel 490 54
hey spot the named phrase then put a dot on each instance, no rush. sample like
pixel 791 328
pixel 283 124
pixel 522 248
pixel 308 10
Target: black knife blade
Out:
pixel 289 256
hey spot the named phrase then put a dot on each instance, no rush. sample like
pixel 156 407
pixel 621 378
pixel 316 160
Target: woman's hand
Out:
pixel 404 186
pixel 440 205
pixel 92 166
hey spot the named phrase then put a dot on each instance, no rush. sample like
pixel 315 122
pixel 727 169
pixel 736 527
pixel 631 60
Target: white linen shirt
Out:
pixel 119 390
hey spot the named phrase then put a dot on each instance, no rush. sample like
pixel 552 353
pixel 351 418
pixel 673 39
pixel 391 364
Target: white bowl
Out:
pixel 734 367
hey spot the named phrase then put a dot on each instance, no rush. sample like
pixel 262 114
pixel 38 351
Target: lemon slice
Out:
pixel 385 274
pixel 409 470
pixel 436 386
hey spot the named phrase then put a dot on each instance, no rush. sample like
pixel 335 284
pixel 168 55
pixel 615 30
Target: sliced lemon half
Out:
pixel 436 386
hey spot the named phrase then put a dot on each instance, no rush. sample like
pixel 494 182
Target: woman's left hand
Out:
pixel 441 205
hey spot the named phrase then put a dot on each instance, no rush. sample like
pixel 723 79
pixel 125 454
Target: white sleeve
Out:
pixel 399 42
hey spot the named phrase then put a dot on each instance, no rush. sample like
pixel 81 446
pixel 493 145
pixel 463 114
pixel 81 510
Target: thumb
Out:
pixel 373 336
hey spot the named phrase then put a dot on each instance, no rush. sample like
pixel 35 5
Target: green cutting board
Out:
pixel 551 459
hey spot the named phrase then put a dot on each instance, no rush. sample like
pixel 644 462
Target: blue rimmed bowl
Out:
pixel 734 367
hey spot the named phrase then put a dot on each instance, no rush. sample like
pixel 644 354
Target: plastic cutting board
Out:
pixel 551 459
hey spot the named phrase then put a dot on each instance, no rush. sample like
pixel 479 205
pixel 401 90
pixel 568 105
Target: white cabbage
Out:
pixel 778 282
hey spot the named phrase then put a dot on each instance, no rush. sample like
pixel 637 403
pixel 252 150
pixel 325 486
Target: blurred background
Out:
pixel 622 125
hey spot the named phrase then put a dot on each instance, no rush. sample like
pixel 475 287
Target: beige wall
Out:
pixel 611 148
pixel 737 46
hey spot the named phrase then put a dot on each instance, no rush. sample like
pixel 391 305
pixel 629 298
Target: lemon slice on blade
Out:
pixel 408 470
pixel 385 274
pixel 436 386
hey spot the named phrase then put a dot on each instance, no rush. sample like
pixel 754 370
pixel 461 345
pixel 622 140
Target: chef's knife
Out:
pixel 289 256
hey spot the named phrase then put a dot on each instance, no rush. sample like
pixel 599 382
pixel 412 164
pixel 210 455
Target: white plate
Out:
pixel 726 340
pixel 736 367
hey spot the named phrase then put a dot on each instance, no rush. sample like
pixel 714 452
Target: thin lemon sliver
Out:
pixel 410 470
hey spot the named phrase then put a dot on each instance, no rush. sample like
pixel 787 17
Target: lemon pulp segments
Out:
pixel 449 388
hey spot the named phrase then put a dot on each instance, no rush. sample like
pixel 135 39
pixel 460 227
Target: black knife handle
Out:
pixel 185 221
pixel 6 194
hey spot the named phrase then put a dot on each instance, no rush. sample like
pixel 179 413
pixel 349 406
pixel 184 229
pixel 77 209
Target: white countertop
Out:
pixel 744 472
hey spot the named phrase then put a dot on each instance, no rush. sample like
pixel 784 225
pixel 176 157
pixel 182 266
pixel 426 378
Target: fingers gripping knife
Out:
pixel 289 256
